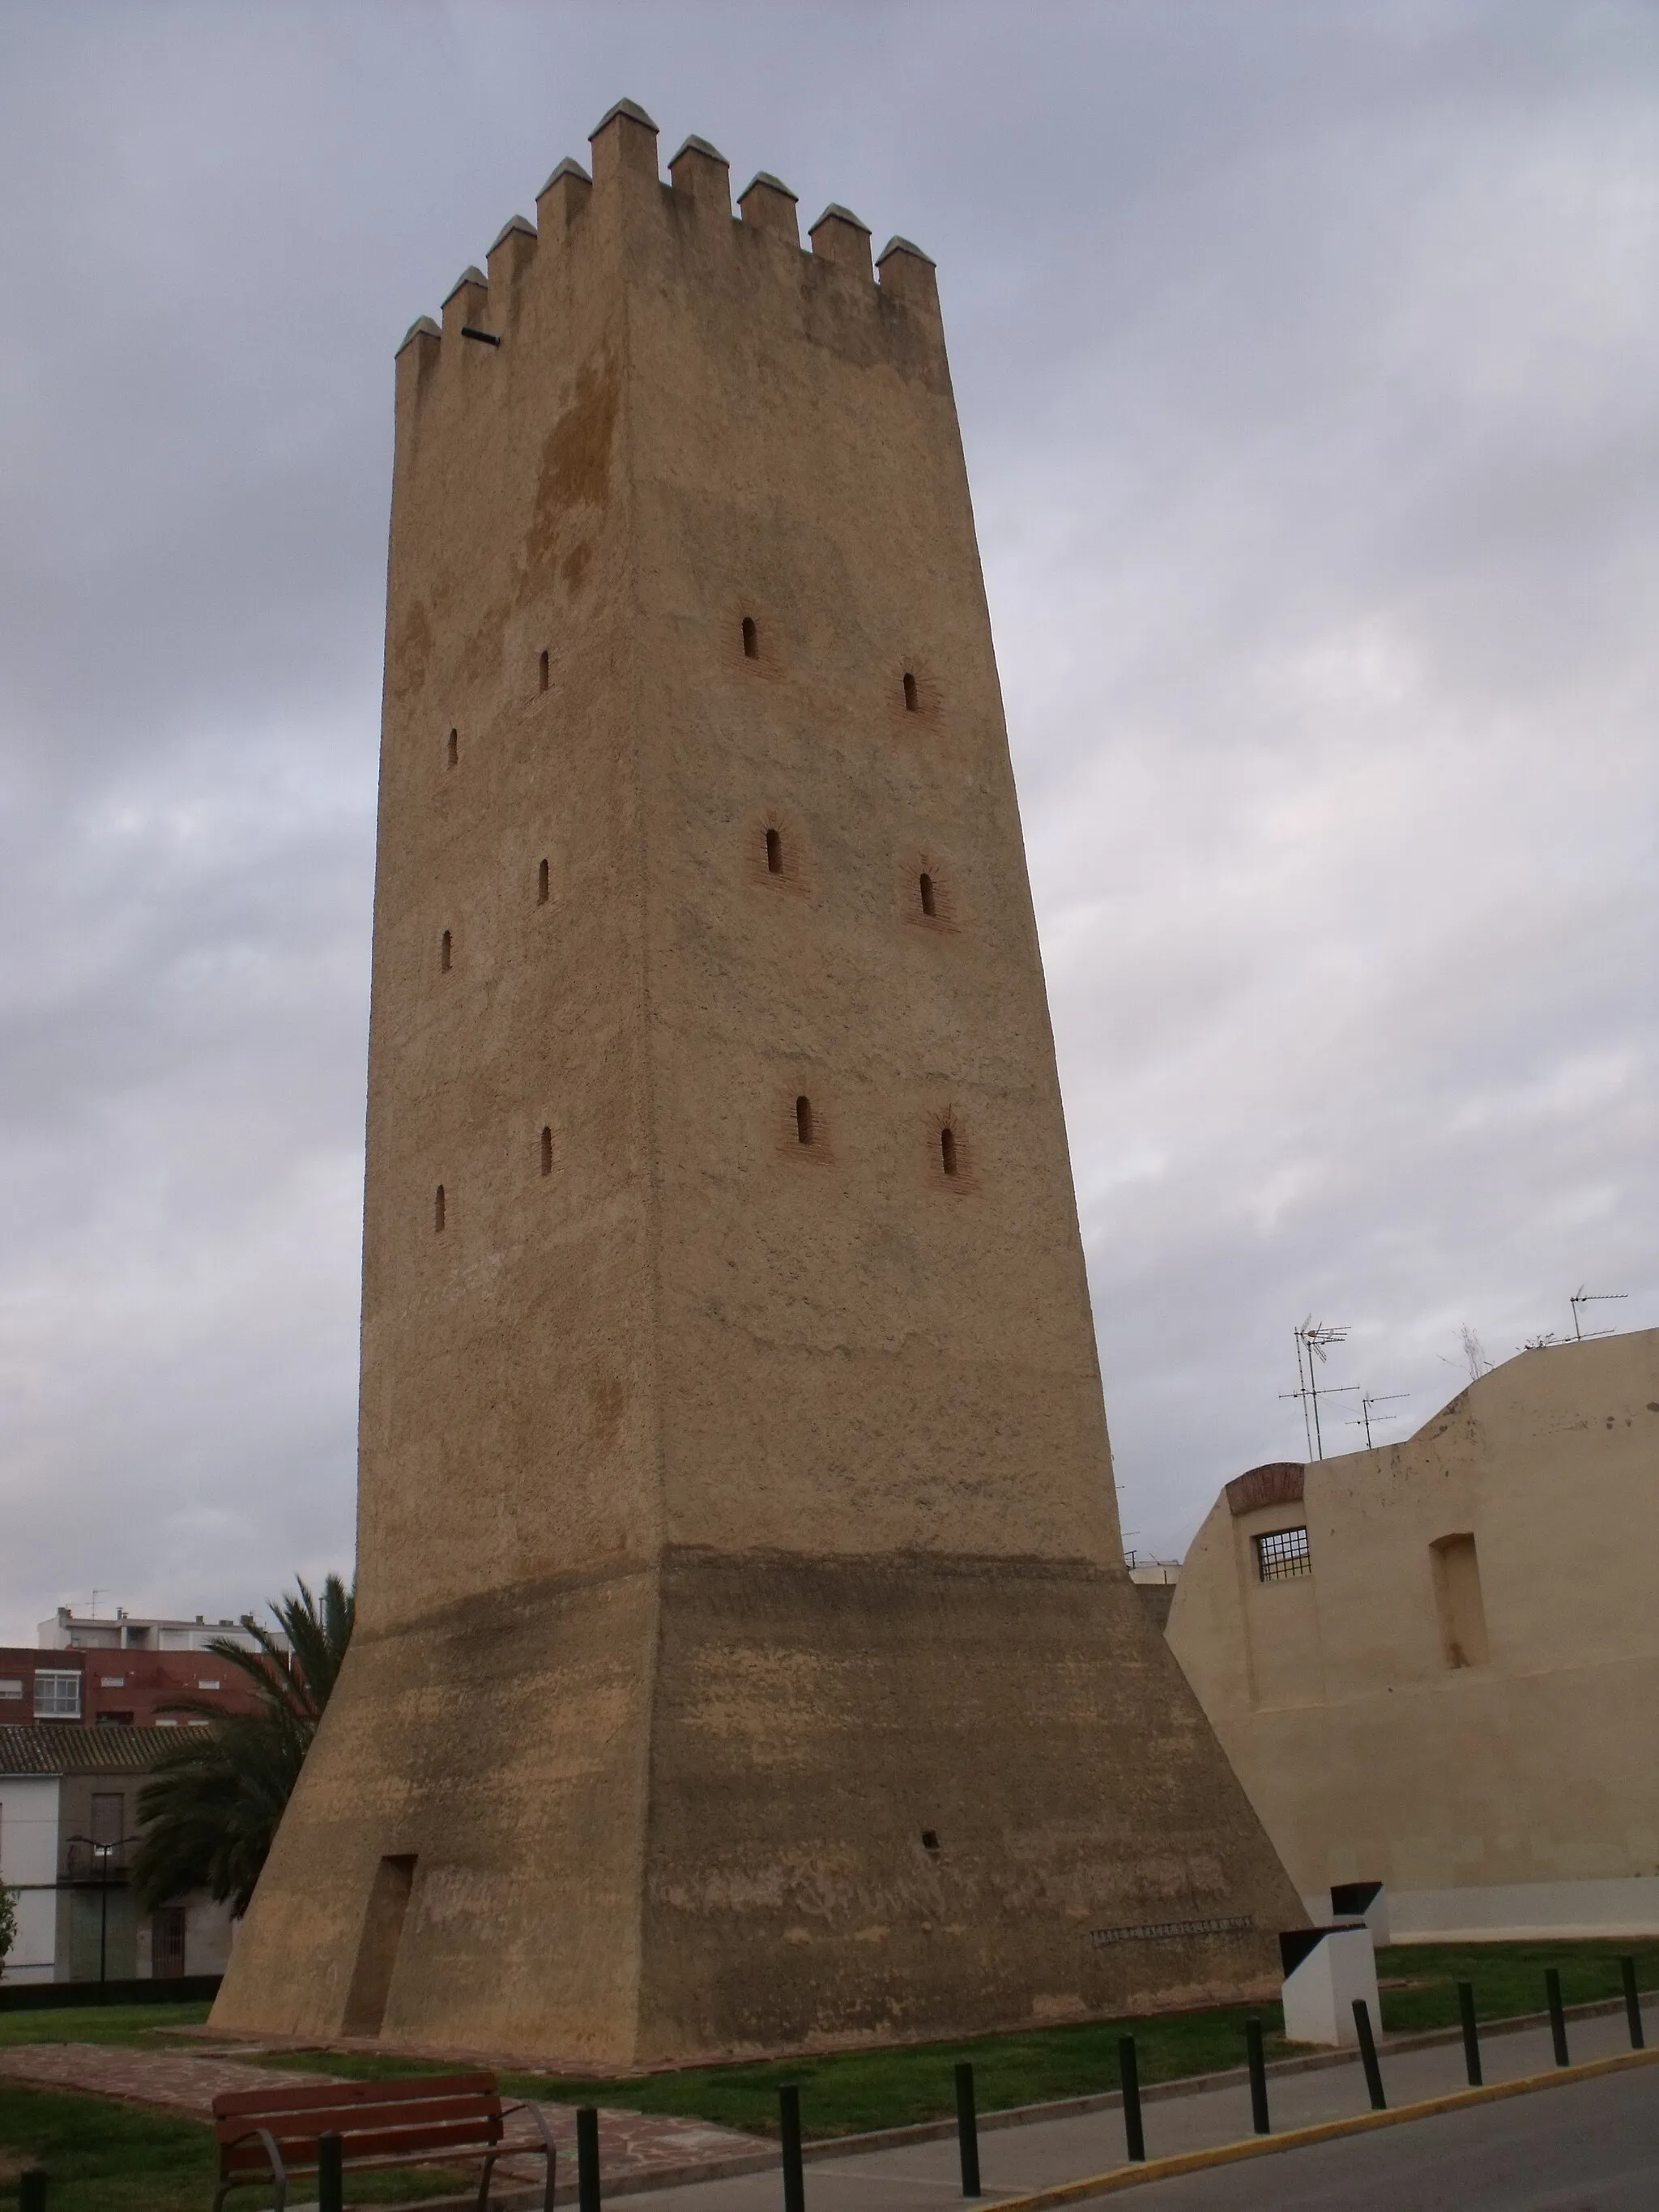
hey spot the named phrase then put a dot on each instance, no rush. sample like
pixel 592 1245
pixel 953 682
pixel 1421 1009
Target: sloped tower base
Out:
pixel 740 1806
pixel 745 1659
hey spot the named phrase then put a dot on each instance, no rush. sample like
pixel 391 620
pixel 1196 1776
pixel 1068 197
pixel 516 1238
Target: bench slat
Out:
pixel 301 2150
pixel 482 2111
pixel 305 2097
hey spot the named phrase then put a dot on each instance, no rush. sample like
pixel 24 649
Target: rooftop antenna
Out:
pixel 1581 1297
pixel 1367 1400
pixel 92 1608
pixel 1313 1339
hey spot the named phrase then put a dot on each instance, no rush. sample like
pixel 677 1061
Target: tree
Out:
pixel 8 1924
pixel 211 1807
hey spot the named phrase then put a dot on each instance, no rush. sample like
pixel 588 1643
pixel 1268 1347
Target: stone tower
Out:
pixel 745 1658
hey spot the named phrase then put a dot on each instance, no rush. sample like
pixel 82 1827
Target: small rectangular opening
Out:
pixel 541 885
pixel 750 639
pixel 803 1121
pixel 912 699
pixel 377 1946
pixel 543 667
pixel 1282 1554
pixel 1458 1602
pixel 453 751
pixel 774 853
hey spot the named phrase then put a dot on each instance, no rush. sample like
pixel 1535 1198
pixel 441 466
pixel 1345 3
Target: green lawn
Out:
pixel 131 2024
pixel 846 2092
pixel 102 2156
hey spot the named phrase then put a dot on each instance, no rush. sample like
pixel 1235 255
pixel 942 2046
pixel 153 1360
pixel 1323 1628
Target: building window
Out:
pixel 1282 1554
pixel 112 1681
pixel 750 639
pixel 210 1682
pixel 445 952
pixel 11 1687
pixel 547 1151
pixel 454 751
pixel 774 853
pixel 947 1151
pixel 541 885
pixel 543 669
pixel 438 1208
pixel 56 1694
pixel 803 1121
pixel 911 701
pixel 929 904
pixel 930 1839
pixel 166 1943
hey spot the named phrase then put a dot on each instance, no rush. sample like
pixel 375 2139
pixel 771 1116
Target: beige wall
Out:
pixel 1460 1697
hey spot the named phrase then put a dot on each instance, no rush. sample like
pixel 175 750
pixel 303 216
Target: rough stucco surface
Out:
pixel 733 1509
pixel 1370 1745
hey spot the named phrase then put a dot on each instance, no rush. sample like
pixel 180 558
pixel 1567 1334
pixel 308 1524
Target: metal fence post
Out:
pixel 330 2173
pixel 31 2189
pixel 794 2178
pixel 1362 2020
pixel 1259 2119
pixel 1128 2074
pixel 1470 2032
pixel 1632 2003
pixel 967 2129
pixel 1558 2018
pixel 588 2157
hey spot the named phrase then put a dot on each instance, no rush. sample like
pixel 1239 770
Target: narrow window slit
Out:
pixel 803 1121
pixel 542 686
pixel 454 752
pixel 438 1209
pixel 541 885
pixel 446 950
pixel 750 639
pixel 911 701
pixel 947 1150
pixel 774 853
pixel 928 906
pixel 547 1151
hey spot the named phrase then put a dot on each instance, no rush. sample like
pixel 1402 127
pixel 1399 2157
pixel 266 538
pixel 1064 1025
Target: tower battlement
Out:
pixel 692 213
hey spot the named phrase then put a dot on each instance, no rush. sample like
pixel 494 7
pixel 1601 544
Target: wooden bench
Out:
pixel 427 2120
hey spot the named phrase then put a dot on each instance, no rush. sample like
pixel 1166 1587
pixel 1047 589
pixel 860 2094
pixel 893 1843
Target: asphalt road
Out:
pixel 1592 2147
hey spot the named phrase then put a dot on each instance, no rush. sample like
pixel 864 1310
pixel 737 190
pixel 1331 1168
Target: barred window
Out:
pixel 1283 1554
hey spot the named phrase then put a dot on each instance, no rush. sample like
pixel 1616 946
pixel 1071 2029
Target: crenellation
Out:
pixel 703 173
pixel 907 273
pixel 839 236
pixel 467 303
pixel 422 327
pixel 564 197
pixel 624 145
pixel 766 203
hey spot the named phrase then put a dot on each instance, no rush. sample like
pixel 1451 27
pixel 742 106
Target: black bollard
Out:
pixel 967 2129
pixel 794 2179
pixel 330 2173
pixel 1362 2020
pixel 31 2189
pixel 588 2157
pixel 1470 2032
pixel 1259 2119
pixel 1128 2074
pixel 1558 2018
pixel 1632 2003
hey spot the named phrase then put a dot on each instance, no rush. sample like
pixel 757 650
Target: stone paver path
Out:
pixel 632 2145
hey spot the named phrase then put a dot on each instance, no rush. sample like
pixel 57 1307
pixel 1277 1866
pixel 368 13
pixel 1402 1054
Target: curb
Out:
pixel 1195 2161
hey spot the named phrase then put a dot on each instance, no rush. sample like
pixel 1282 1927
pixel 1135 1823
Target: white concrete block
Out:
pixel 1328 1968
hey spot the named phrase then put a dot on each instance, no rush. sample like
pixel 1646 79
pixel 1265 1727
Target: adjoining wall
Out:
pixel 1457 1695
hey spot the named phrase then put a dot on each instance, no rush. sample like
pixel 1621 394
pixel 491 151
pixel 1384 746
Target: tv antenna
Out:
pixel 1313 1340
pixel 1581 1297
pixel 1367 1400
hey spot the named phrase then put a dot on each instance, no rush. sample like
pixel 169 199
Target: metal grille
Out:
pixel 1172 1932
pixel 1282 1554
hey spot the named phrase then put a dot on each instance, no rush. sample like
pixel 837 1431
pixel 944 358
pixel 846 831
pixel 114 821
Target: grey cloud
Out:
pixel 1305 356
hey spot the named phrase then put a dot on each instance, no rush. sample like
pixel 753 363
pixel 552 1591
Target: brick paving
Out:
pixel 632 2145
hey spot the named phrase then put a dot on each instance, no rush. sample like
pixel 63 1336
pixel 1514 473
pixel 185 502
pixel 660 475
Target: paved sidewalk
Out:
pixel 919 2177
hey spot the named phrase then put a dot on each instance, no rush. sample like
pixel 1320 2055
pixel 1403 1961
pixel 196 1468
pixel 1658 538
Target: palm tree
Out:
pixel 210 1808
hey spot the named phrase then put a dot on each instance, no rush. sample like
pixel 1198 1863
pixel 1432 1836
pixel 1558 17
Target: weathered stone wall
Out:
pixel 734 1509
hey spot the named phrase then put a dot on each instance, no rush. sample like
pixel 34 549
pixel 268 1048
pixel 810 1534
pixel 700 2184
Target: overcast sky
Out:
pixel 1307 359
